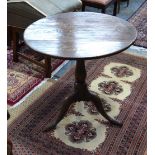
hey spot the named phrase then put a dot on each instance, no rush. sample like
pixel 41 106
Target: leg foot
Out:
pixel 96 100
pixel 71 99
pixel 83 7
pixel 103 10
pixel 127 3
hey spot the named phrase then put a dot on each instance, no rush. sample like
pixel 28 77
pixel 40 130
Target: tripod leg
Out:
pixel 62 113
pixel 96 100
pixel 127 3
pixel 115 8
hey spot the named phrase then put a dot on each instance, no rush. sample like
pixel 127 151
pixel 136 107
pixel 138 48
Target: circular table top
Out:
pixel 80 35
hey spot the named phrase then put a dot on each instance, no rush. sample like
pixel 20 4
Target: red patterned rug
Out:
pixel 120 81
pixel 23 76
pixel 139 20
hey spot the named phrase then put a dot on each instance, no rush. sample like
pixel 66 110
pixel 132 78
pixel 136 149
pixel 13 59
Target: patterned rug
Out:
pixel 120 81
pixel 23 76
pixel 139 20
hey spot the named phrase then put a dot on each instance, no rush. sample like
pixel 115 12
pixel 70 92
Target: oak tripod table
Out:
pixel 80 36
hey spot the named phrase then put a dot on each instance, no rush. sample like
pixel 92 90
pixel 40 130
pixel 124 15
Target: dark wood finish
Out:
pixel 118 4
pixel 9 36
pixel 81 93
pixel 115 8
pixel 15 39
pixel 47 66
pixel 127 3
pixel 9 143
pixel 80 36
pixel 22 13
pixel 100 4
pixel 31 60
pixel 15 31
pixel 8 115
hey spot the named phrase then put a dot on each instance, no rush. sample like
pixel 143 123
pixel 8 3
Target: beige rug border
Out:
pixel 18 110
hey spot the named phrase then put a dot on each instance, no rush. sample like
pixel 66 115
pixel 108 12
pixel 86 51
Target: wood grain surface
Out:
pixel 80 35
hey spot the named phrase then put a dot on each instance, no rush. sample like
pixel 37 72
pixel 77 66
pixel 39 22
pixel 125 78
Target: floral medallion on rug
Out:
pixel 139 20
pixel 23 76
pixel 120 82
